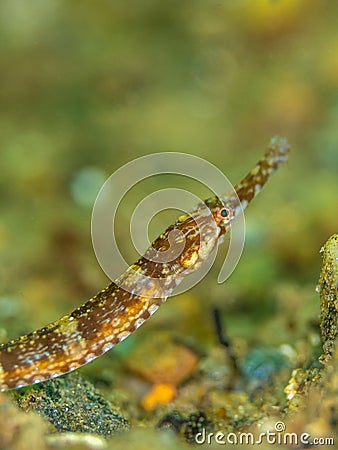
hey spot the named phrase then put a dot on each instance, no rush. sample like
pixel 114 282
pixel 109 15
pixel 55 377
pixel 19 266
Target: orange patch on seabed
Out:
pixel 165 364
pixel 159 394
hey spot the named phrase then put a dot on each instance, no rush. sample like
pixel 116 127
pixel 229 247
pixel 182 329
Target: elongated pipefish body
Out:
pixel 117 311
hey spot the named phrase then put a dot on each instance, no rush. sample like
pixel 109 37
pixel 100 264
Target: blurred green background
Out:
pixel 88 86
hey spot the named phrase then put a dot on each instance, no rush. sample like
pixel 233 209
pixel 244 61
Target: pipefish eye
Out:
pixel 225 214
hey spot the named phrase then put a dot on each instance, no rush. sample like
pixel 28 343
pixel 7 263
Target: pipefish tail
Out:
pixel 118 310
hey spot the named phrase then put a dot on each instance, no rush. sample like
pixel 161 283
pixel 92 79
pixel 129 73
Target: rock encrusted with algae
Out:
pixel 72 404
pixel 328 286
pixel 302 380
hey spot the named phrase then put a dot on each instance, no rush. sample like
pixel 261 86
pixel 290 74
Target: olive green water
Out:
pixel 88 86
